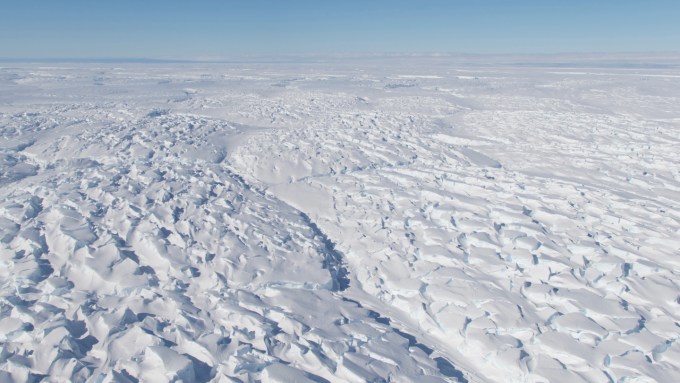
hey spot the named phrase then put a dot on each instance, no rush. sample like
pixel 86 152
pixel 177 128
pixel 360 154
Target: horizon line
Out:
pixel 630 60
pixel 237 57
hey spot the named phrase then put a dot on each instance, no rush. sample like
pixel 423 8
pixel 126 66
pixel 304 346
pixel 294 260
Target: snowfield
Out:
pixel 366 220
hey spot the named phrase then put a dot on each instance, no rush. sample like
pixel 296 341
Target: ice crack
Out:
pixel 333 259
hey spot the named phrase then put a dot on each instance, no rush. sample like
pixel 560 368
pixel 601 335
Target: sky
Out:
pixel 212 29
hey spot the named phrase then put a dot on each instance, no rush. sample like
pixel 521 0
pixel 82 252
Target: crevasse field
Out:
pixel 395 219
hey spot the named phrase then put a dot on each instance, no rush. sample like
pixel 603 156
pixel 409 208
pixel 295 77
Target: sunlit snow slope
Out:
pixel 406 220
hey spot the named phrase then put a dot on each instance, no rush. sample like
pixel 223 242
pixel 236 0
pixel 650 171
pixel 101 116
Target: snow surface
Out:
pixel 406 220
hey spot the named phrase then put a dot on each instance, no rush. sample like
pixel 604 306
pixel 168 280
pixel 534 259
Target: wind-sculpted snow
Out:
pixel 277 222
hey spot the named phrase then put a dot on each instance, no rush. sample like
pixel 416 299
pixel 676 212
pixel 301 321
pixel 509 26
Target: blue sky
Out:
pixel 223 29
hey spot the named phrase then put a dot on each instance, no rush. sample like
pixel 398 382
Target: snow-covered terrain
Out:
pixel 401 219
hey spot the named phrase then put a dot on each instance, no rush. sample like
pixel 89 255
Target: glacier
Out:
pixel 400 219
